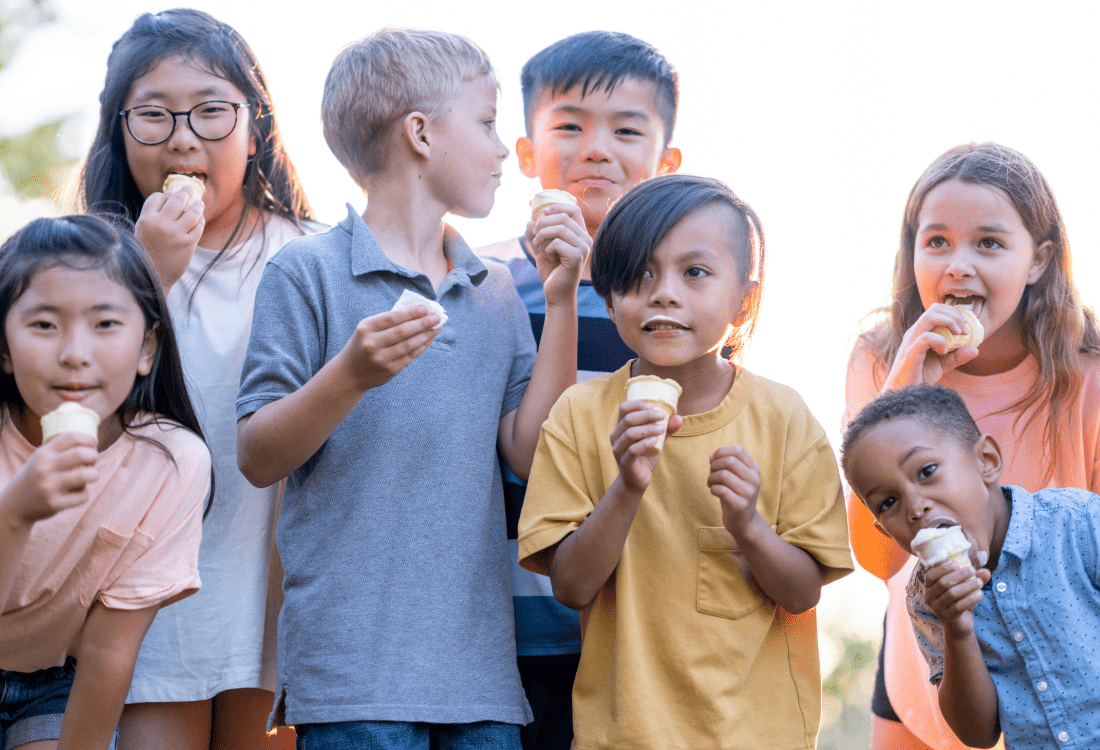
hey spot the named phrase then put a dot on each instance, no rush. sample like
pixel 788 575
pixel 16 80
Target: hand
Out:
pixel 560 244
pixel 170 233
pixel 635 433
pixel 382 345
pixel 735 480
pixel 952 593
pixel 53 479
pixel 922 356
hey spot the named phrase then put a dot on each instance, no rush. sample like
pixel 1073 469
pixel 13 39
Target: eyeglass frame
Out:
pixel 125 114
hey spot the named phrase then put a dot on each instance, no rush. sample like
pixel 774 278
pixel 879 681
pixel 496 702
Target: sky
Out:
pixel 820 115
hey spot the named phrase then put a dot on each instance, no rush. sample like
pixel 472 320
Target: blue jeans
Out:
pixel 32 704
pixel 397 735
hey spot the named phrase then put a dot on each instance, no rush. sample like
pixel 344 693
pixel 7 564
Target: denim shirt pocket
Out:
pixel 725 586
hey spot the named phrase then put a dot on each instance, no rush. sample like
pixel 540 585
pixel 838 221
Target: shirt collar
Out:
pixel 1018 537
pixel 367 255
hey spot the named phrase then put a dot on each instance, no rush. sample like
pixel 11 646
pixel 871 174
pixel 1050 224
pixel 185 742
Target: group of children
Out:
pixel 425 456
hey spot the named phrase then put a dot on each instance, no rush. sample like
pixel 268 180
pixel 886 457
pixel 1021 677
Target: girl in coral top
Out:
pixel 982 229
pixel 98 529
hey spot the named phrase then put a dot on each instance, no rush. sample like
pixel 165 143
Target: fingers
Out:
pixel 638 428
pixel 951 591
pixel 734 475
pixel 560 236
pixel 395 338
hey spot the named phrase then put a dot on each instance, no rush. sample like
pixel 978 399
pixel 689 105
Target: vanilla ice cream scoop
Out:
pixel 548 198
pixel 975 332
pixel 410 298
pixel 661 393
pixel 933 546
pixel 70 417
pixel 176 182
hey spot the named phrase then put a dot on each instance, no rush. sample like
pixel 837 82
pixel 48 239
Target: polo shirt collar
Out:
pixel 1020 525
pixel 367 255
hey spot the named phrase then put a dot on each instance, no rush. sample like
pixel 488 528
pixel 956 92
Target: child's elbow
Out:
pixel 568 596
pixel 804 602
pixel 249 460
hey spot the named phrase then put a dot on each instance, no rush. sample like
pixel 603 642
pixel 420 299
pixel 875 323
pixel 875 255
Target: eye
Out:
pixel 989 243
pixel 568 127
pixel 696 272
pixel 926 471
pixel 490 123
pixel 40 325
pixel 936 242
pixel 886 504
pixel 628 132
pixel 212 109
pixel 149 114
pixel 107 323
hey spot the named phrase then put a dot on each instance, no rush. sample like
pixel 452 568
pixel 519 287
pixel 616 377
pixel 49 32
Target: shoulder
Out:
pixel 153 435
pixel 588 402
pixel 503 251
pixel 782 404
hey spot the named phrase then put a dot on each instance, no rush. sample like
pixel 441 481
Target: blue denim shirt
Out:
pixel 1038 623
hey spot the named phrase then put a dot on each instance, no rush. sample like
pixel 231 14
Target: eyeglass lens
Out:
pixel 211 121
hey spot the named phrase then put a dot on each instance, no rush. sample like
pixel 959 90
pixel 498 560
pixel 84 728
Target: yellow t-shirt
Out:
pixel 680 648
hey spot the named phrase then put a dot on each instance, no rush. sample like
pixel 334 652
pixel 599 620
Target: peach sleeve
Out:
pixel 874 551
pixel 161 562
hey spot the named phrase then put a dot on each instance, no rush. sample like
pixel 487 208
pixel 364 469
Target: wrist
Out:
pixel 750 533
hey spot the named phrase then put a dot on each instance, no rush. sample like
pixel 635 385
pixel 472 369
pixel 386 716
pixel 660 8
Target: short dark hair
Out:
pixel 600 60
pixel 934 406
pixel 637 223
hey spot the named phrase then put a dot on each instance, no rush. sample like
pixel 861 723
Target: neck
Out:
pixel 1002 514
pixel 705 381
pixel 1000 352
pixel 407 222
pixel 220 230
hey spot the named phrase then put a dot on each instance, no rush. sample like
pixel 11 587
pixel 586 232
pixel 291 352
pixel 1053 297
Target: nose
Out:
pixel 596 147
pixel 960 265
pixel 665 291
pixel 183 138
pixel 75 349
pixel 917 507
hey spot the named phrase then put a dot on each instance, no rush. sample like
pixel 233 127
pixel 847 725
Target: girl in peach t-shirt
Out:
pixel 96 533
pixel 981 228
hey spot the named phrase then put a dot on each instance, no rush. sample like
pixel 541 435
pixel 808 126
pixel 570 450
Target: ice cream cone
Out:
pixel 661 393
pixel 176 182
pixel 548 198
pixel 934 546
pixel 974 335
pixel 70 417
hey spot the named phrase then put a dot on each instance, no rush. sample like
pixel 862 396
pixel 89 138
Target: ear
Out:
pixel 990 459
pixel 148 350
pixel 610 308
pixel 748 303
pixel 5 364
pixel 670 161
pixel 525 152
pixel 415 131
pixel 1040 261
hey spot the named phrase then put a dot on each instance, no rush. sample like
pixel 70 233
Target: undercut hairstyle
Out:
pixel 935 407
pixel 106 243
pixel 375 82
pixel 600 60
pixel 638 222
pixel 1058 330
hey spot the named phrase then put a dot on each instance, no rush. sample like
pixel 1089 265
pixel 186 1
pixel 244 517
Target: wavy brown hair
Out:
pixel 1058 330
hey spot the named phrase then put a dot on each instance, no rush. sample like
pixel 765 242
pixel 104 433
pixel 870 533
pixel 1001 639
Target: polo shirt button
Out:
pixel 1002 587
pixel 1042 686
pixel 1063 736
pixel 1017 636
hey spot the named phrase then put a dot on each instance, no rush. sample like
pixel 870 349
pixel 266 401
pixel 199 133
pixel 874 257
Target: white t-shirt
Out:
pixel 224 637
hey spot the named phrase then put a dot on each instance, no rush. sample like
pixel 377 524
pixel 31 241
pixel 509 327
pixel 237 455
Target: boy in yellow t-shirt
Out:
pixel 696 569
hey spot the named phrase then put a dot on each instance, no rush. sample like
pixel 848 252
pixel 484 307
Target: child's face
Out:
pixel 597 146
pixel 691 295
pixel 75 335
pixel 466 153
pixel 178 85
pixel 912 476
pixel 972 246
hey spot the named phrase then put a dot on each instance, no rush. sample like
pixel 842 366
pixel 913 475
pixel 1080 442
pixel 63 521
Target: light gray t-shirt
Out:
pixel 392 536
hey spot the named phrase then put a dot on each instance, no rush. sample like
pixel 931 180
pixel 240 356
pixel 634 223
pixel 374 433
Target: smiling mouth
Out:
pixel 663 323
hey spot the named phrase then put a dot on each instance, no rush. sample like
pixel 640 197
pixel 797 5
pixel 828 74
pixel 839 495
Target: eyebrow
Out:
pixel 48 308
pixel 145 96
pixel 570 109
pixel 984 228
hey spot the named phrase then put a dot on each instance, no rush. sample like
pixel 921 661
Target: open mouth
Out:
pixel 972 301
pixel 662 323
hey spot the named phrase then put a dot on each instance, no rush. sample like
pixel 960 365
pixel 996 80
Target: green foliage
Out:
pixel 846 697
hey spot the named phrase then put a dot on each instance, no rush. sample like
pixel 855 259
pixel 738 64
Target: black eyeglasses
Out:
pixel 211 121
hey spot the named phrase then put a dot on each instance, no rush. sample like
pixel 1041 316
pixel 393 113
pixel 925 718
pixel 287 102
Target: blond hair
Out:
pixel 375 82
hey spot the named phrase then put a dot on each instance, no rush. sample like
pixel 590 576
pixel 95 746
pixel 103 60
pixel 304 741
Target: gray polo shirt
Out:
pixel 392 536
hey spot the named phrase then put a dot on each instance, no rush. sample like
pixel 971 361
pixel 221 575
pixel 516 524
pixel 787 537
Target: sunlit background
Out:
pixel 820 115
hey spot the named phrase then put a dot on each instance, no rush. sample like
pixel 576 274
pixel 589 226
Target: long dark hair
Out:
pixel 270 180
pixel 1058 330
pixel 105 244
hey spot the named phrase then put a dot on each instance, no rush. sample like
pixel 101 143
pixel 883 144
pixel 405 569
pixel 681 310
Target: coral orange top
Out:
pixel 1026 463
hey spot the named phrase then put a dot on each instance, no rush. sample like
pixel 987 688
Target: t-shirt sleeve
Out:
pixel 523 361
pixel 166 542
pixel 285 346
pixel 926 627
pixel 557 501
pixel 811 514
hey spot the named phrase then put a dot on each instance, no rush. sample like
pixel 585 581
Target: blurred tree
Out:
pixel 30 162
pixel 846 697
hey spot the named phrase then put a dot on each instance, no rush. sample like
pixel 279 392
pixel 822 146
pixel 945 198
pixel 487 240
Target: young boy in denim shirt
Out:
pixel 396 630
pixel 1008 635
pixel 600 108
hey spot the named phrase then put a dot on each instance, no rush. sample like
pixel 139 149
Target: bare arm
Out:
pixel 787 574
pixel 105 657
pixel 279 437
pixel 583 561
pixel 170 232
pixel 560 246
pixel 967 695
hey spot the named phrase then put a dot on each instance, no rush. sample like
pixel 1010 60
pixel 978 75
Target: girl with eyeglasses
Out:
pixel 184 94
